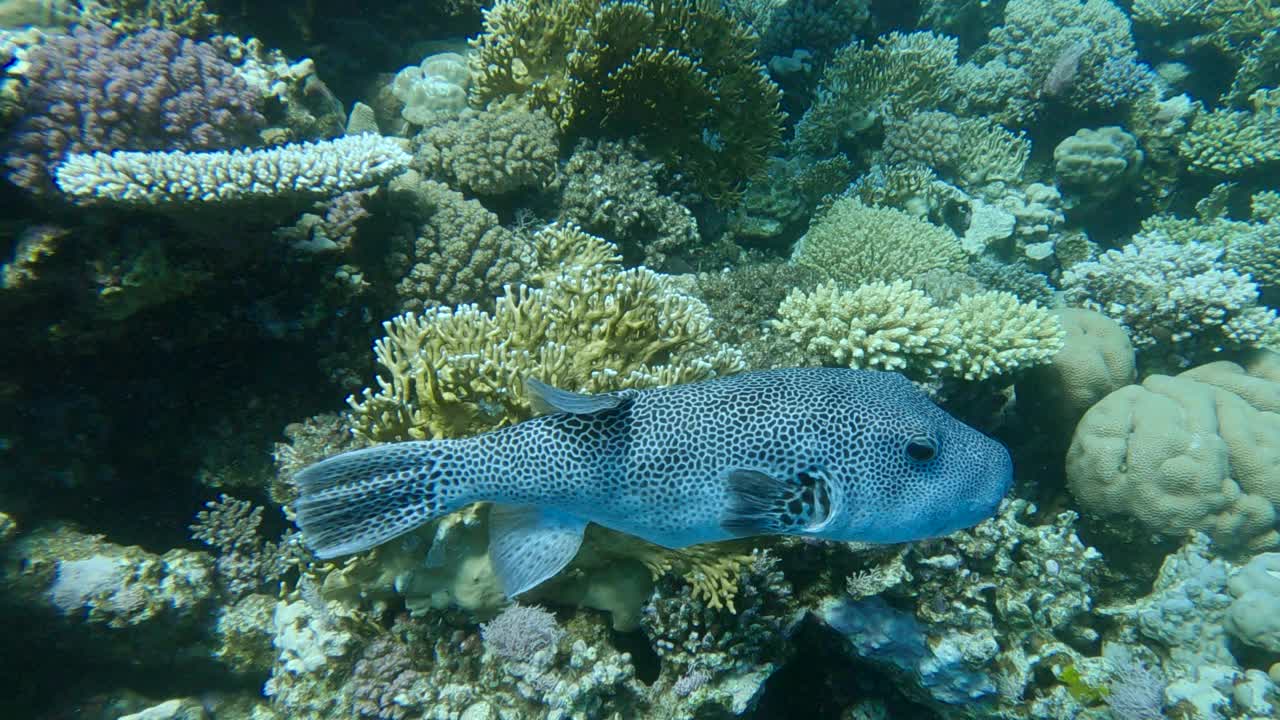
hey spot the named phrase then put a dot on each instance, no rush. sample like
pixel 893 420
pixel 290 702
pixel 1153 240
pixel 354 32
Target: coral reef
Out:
pixel 609 190
pixel 854 244
pixel 678 74
pixel 590 327
pixel 894 327
pixel 173 93
pixel 492 152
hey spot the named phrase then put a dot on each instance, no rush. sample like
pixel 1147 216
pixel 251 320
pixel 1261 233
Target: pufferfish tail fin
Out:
pixel 360 499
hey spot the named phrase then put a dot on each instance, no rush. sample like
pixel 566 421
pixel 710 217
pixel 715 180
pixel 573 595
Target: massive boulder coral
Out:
pixel 590 327
pixel 1096 164
pixel 679 74
pixel 1096 359
pixel 1196 451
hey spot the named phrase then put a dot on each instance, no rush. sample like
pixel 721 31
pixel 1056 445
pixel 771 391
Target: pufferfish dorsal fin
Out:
pixel 546 400
pixel 760 504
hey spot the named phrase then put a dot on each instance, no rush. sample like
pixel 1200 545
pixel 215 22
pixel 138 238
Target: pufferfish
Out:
pixel 828 453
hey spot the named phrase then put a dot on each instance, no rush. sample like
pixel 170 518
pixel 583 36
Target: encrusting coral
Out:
pixel 679 74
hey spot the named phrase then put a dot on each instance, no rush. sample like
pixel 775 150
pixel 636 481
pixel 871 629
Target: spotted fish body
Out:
pixel 823 452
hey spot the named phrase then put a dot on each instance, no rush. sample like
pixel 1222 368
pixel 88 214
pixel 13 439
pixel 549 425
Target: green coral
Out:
pixel 971 151
pixel 893 77
pixel 1230 142
pixel 591 327
pixel 491 152
pixel 854 244
pixel 608 189
pixel 679 74
pixel 891 326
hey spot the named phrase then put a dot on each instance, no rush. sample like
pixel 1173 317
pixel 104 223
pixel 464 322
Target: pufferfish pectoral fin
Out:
pixel 529 544
pixel 546 399
pixel 760 504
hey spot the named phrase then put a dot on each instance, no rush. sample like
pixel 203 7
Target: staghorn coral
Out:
pixel 855 244
pixel 490 152
pixel 449 249
pixel 589 328
pixel 98 90
pixel 897 75
pixel 679 74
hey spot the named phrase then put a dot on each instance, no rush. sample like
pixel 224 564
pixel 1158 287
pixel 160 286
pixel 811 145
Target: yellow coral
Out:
pixel 591 328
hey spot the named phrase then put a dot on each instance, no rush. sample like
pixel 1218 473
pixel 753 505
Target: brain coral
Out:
pixel 679 74
pixel 1198 451
pixel 854 244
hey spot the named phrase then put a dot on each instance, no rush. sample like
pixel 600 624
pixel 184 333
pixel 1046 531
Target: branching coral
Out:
pixel 490 152
pixel 449 249
pixel 679 74
pixel 609 190
pixel 590 328
pixel 971 151
pixel 894 327
pixel 1047 50
pixel 897 75
pixel 1229 142
pixel 855 244
pixel 1178 293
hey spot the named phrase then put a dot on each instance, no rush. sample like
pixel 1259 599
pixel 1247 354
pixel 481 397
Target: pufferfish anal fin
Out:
pixel 528 544
pixel 546 400
pixel 760 504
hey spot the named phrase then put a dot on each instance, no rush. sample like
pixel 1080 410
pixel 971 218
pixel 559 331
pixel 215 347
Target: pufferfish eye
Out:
pixel 921 448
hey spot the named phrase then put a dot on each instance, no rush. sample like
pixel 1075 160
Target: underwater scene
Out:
pixel 640 359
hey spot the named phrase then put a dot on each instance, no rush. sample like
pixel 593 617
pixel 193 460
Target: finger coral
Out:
pixel 451 372
pixel 679 74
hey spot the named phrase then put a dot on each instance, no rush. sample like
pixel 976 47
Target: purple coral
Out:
pixel 382 682
pixel 98 89
pixel 520 632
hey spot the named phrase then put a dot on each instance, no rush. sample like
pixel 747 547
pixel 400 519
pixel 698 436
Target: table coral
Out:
pixel 100 90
